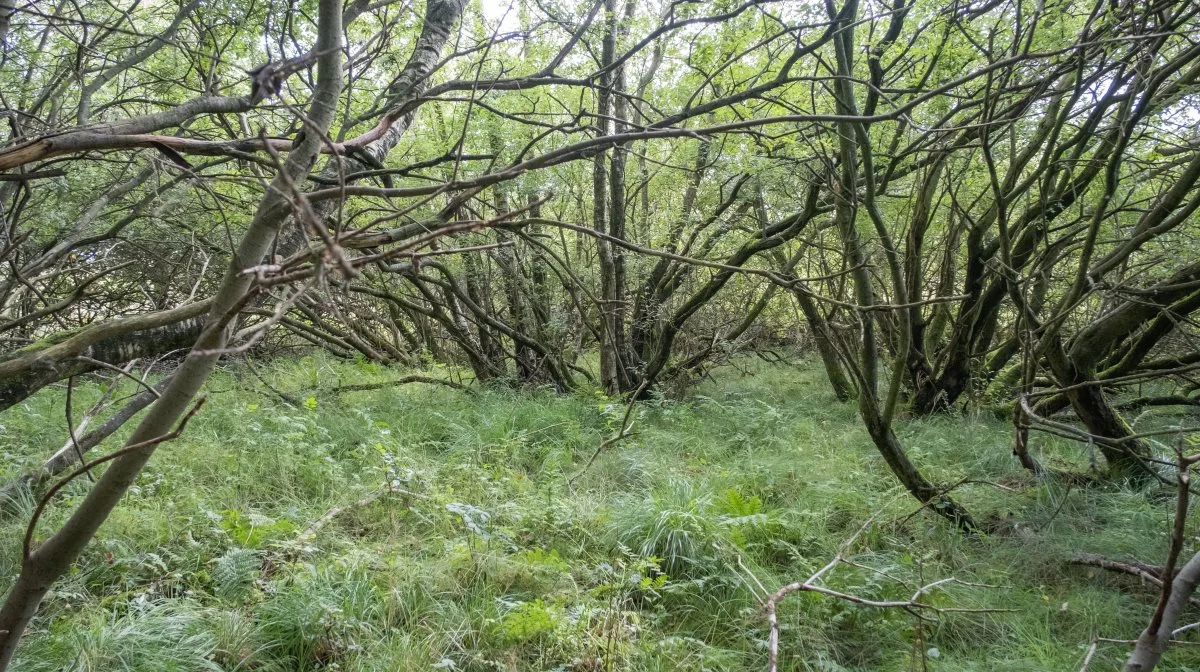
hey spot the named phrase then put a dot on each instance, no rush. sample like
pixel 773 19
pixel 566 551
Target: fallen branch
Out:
pixel 294 398
pixel 283 396
pixel 363 387
pixel 1151 573
pixel 311 531
pixel 912 605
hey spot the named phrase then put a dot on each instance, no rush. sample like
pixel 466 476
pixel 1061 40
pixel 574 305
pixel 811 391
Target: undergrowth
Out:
pixel 478 555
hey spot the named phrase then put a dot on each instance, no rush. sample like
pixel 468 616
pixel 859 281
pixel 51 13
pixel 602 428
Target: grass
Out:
pixel 480 557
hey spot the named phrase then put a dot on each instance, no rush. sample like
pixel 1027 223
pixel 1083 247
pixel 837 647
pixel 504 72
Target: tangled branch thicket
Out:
pixel 980 204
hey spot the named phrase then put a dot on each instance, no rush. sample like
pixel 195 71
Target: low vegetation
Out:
pixel 420 527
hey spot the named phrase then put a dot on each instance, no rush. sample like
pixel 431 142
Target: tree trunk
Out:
pixel 53 558
pixel 823 338
pixel 115 342
pixel 877 419
pixel 1151 646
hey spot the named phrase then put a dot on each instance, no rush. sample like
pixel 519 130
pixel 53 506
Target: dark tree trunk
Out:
pixel 113 342
pixel 823 338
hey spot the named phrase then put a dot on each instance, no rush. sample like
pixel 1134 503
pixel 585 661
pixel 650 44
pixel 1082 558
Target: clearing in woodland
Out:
pixel 421 527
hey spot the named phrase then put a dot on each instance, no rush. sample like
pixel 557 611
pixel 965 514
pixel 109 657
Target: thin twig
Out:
pixel 41 505
pixel 626 425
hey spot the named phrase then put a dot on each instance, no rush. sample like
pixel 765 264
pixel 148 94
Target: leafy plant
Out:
pixel 526 621
pixel 253 530
pixel 234 573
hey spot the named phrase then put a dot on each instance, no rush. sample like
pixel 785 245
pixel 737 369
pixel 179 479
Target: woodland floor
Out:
pixel 483 558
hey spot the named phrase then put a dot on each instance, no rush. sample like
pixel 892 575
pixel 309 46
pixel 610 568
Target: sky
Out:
pixel 495 9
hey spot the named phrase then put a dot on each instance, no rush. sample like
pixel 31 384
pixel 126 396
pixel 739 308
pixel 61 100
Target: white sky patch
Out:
pixel 504 11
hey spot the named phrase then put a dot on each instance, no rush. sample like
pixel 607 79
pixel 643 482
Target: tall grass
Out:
pixel 480 557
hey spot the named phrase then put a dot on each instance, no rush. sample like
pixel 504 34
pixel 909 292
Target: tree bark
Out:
pixel 1151 646
pixel 115 342
pixel 823 338
pixel 876 418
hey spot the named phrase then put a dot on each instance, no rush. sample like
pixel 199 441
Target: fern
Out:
pixel 735 505
pixel 234 573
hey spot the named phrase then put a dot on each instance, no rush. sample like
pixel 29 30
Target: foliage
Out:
pixel 651 562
